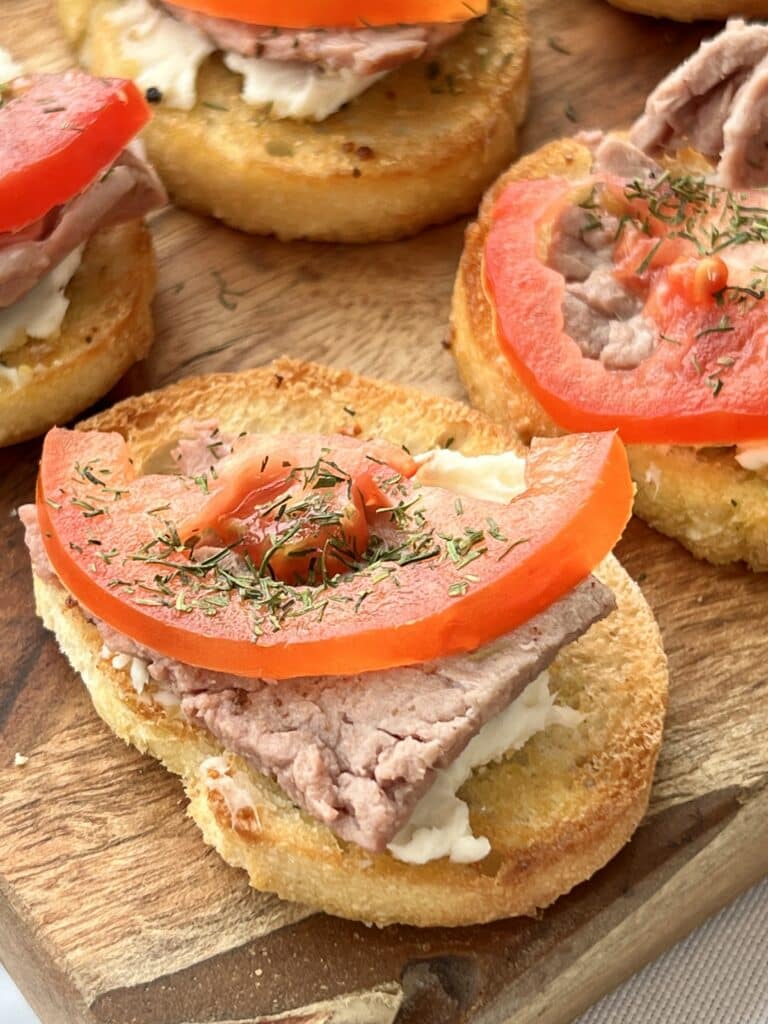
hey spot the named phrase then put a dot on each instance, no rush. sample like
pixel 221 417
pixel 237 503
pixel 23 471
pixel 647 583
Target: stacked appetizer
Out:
pixel 616 282
pixel 400 682
pixel 349 121
pixel 76 263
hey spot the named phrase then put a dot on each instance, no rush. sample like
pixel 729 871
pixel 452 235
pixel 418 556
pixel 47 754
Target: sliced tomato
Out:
pixel 298 505
pixel 444 576
pixel 57 134
pixel 703 384
pixel 338 13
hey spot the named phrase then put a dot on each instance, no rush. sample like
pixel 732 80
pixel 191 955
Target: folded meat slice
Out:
pixel 364 51
pixel 129 189
pixel 715 101
pixel 358 752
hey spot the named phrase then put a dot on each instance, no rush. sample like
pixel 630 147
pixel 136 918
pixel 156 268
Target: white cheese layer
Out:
pixel 294 89
pixel 9 69
pixel 753 455
pixel 39 313
pixel 439 825
pixel 169 54
pixel 497 478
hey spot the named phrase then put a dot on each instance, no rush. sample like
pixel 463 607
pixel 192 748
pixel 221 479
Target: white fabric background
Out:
pixel 718 975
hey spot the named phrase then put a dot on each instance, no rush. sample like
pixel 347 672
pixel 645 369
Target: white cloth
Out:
pixel 718 975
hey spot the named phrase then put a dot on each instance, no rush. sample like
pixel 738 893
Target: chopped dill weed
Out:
pixel 710 217
pixel 722 327
pixel 570 113
pixel 226 295
pixel 557 46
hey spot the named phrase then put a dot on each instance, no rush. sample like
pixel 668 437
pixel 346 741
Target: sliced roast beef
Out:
pixel 712 103
pixel 616 155
pixel 744 160
pixel 364 51
pixel 357 752
pixel 129 189
pixel 604 318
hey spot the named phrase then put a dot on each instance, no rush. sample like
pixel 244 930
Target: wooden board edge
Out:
pixel 701 887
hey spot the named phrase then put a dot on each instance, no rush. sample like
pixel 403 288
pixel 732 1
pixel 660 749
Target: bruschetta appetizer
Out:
pixel 76 262
pixel 616 282
pixel 353 121
pixel 385 646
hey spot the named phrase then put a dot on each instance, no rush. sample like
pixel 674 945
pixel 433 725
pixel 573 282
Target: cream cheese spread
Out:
pixel 168 55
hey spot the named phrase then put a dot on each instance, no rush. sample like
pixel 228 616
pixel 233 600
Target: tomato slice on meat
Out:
pixel 439 575
pixel 338 13
pixel 703 383
pixel 57 134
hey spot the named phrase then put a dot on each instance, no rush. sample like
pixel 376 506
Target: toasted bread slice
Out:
pixel 417 149
pixel 107 328
pixel 703 497
pixel 554 812
pixel 695 10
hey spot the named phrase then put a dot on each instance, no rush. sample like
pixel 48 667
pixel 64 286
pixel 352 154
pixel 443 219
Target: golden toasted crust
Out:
pixel 703 498
pixel 555 812
pixel 107 328
pixel 416 149
pixel 694 10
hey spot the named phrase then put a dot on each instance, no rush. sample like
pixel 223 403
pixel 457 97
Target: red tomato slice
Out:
pixel 299 510
pixel 703 384
pixel 457 575
pixel 339 13
pixel 57 134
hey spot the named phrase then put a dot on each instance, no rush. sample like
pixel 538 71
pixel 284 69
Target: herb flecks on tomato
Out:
pixel 697 256
pixel 438 576
pixel 300 522
pixel 307 14
pixel 57 134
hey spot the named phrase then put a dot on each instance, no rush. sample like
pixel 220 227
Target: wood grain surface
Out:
pixel 111 908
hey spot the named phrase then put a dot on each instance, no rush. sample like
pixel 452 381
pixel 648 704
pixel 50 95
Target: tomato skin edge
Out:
pixel 28 193
pixel 573 399
pixel 320 14
pixel 551 571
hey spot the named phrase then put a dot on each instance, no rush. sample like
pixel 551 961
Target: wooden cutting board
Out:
pixel 111 908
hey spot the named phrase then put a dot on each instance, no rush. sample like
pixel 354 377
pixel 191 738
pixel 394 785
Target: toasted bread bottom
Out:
pixel 703 498
pixel 554 812
pixel 107 328
pixel 417 149
pixel 695 10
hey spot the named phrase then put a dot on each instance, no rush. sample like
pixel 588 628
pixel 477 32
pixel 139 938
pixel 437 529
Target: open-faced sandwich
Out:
pixel 693 10
pixel 386 647
pixel 351 121
pixel 620 282
pixel 76 262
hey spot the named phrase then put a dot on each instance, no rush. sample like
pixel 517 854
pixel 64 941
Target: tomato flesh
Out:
pixel 437 579
pixel 303 523
pixel 338 13
pixel 704 383
pixel 57 134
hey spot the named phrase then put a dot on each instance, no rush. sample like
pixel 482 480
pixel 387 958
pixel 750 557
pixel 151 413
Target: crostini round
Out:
pixel 553 811
pixel 415 149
